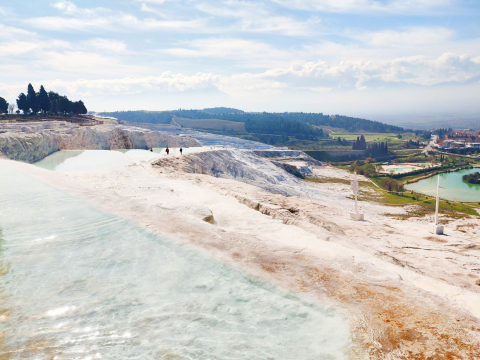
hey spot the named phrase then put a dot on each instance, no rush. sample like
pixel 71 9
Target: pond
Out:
pixel 452 186
pixel 79 283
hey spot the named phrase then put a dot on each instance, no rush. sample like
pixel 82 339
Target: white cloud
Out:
pixel 418 70
pixel 106 44
pixel 154 1
pixel 227 48
pixel 410 37
pixel 254 17
pixel 235 9
pixel 357 6
pixel 8 33
pixel 82 64
pixel 279 25
pixel 314 76
pixel 67 7
pixel 13 47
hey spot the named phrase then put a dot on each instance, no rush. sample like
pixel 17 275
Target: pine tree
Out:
pixel 32 99
pixel 22 103
pixel 43 100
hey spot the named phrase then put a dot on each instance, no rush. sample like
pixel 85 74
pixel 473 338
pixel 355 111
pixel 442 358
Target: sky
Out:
pixel 369 58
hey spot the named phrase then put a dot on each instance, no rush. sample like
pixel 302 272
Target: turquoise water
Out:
pixel 453 181
pixel 79 283
pixel 400 169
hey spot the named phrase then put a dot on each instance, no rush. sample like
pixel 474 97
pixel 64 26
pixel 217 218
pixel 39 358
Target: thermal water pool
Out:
pixel 400 169
pixel 79 160
pixel 79 283
pixel 456 188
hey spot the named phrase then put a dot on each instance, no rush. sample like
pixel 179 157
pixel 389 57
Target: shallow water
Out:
pixel 79 283
pixel 452 186
pixel 77 160
pixel 400 169
pixel 82 160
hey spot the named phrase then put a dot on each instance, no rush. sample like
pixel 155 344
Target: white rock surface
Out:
pixel 31 142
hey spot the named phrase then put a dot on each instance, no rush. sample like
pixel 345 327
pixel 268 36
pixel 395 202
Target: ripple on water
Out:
pixel 84 284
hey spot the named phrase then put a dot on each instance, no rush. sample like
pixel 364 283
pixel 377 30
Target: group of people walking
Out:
pixel 167 150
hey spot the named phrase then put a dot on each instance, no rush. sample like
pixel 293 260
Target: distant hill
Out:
pixel 298 124
pixel 223 110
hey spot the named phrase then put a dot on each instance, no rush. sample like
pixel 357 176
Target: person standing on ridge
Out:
pixel 167 150
pixel 181 150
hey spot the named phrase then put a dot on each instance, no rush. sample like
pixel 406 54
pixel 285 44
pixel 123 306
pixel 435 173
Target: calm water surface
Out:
pixel 80 160
pixel 452 181
pixel 79 283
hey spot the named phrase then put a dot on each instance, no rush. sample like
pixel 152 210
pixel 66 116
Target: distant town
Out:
pixel 459 141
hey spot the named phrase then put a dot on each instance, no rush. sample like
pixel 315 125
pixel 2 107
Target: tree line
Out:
pixel 51 102
pixel 315 119
pixel 284 127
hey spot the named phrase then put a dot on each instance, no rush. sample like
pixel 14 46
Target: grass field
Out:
pixel 369 137
pixel 211 124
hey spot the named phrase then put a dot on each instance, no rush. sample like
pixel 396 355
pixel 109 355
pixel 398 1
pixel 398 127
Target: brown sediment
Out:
pixel 389 322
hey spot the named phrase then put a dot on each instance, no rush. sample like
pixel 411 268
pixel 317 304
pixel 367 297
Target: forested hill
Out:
pixel 223 110
pixel 350 124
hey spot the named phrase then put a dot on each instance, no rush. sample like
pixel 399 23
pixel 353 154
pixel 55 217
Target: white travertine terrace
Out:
pixel 32 141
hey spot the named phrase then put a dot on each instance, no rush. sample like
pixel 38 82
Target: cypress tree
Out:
pixel 32 99
pixel 43 100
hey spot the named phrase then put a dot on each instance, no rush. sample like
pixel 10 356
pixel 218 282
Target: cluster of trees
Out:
pixel 425 135
pixel 410 144
pixel 391 185
pixel 342 142
pixel 315 119
pixel 377 149
pixel 442 132
pixel 44 102
pixel 367 168
pixel 360 143
pixel 472 178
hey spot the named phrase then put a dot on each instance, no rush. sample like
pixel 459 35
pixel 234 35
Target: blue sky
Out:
pixel 355 57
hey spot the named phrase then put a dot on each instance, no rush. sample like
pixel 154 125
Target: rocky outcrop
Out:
pixel 32 142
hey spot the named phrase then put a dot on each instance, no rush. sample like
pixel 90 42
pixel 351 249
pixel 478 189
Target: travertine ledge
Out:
pixel 31 142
